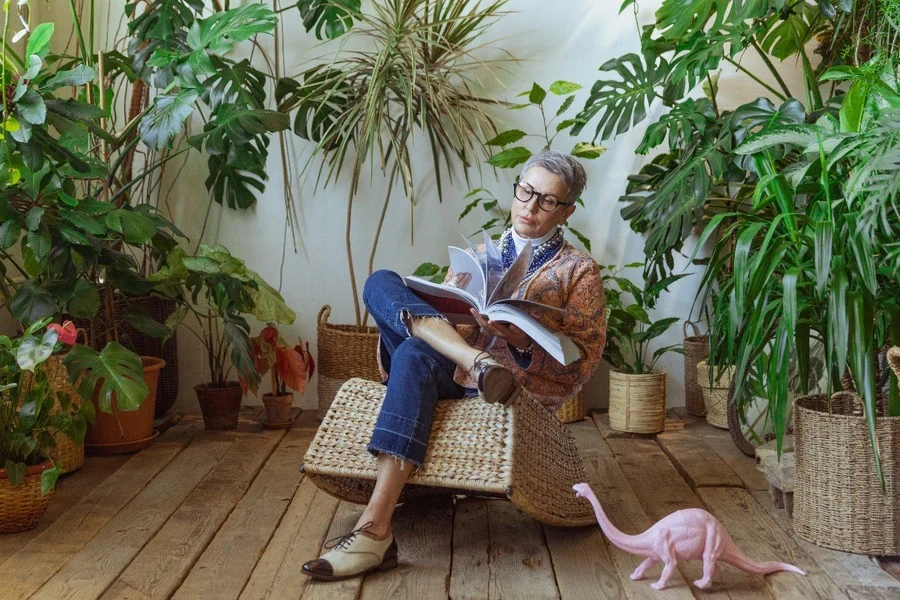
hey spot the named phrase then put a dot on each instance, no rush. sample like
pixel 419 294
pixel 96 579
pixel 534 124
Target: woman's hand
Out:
pixel 507 332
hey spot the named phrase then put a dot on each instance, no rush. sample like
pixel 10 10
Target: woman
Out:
pixel 425 359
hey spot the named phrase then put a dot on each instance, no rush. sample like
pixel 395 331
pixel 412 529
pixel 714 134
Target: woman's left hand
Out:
pixel 507 332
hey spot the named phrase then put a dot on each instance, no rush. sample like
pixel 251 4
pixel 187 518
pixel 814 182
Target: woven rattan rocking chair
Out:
pixel 522 453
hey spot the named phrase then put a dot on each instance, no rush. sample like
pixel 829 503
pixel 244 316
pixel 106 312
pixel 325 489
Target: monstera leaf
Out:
pixel 115 369
pixel 623 103
pixel 328 18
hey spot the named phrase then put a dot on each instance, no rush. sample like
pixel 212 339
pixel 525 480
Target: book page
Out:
pixel 513 277
pixel 557 344
pixel 452 302
pixel 493 267
pixel 463 262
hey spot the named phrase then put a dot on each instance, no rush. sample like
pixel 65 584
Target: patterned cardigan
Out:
pixel 570 280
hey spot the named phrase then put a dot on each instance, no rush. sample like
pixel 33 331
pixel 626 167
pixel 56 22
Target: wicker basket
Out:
pixel 522 453
pixel 573 410
pixel 23 505
pixel 344 352
pixel 838 500
pixel 715 398
pixel 696 348
pixel 637 403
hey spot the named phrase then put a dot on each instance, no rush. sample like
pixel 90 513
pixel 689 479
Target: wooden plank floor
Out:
pixel 220 515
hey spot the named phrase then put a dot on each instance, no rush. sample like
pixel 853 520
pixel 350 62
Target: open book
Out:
pixel 488 289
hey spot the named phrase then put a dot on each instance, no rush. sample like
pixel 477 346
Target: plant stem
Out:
pixel 81 44
pixel 756 79
pixel 350 259
pixel 772 69
pixel 384 207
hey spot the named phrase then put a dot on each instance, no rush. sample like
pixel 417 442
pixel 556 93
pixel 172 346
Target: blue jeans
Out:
pixel 418 375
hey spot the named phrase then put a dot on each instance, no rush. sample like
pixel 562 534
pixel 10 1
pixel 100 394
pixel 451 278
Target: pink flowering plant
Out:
pixel 29 415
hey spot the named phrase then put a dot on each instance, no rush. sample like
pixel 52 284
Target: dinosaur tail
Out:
pixel 741 561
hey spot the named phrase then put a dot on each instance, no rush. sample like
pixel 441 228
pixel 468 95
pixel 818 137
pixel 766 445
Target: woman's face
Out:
pixel 529 219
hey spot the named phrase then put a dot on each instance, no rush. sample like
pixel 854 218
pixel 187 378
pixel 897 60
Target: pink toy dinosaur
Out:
pixel 686 534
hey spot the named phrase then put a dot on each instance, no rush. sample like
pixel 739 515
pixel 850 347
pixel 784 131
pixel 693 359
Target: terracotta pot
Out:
pixel 122 432
pixel 220 406
pixel 278 408
pixel 23 505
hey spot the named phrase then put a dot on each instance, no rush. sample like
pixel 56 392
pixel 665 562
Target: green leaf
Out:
pixel 166 117
pixel 561 88
pixel 587 150
pixel 537 94
pixel 39 39
pixel 31 108
pixel 510 158
pixel 426 269
pixel 563 108
pixel 148 325
pixel 135 227
pixel 115 369
pixel 48 479
pixel 33 350
pixel 80 75
pixel 15 471
pixel 222 30
pixel 39 243
pixel 75 110
pixel 853 107
pixel 268 305
pixel 507 137
pixel 678 18
pixel 565 124
pixel 85 300
pixel 329 18
pixel 31 303
pixel 9 234
pixel 581 238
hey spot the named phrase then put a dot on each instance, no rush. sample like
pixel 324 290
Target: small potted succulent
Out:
pixel 289 368
pixel 637 391
pixel 30 420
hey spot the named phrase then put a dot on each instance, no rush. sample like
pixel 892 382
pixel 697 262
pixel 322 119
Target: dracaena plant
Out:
pixel 219 290
pixel 362 108
pixel 32 410
pixel 816 259
pixel 630 330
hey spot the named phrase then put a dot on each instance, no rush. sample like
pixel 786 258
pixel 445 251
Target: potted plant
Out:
pixel 30 423
pixel 219 289
pixel 412 71
pixel 637 392
pixel 288 367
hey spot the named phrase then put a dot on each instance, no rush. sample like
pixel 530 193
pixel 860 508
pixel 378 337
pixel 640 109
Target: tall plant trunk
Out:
pixel 350 261
pixel 384 207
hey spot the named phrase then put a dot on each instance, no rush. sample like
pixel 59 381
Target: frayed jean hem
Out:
pixel 400 458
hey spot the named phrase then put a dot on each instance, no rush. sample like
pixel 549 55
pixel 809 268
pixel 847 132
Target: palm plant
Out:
pixel 365 106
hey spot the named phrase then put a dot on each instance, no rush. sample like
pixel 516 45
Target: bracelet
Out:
pixel 527 350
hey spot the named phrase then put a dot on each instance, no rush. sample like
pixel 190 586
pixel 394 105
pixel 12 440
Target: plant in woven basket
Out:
pixel 28 419
pixel 415 73
pixel 630 330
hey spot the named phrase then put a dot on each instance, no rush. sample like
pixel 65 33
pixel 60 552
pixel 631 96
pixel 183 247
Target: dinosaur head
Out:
pixel 582 490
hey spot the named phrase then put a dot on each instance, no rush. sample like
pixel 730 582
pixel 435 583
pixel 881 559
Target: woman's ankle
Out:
pixel 373 530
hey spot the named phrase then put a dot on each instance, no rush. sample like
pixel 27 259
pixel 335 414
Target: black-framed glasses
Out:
pixel 546 202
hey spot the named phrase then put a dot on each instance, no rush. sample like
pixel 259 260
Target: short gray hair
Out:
pixel 564 166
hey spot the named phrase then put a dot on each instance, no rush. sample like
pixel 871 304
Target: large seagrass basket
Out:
pixel 343 352
pixel 522 453
pixel 696 348
pixel 838 499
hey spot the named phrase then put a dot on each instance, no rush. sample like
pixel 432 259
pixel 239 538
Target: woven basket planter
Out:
pixel 344 352
pixel 572 411
pixel 637 403
pixel 522 453
pixel 23 505
pixel 838 500
pixel 696 348
pixel 715 397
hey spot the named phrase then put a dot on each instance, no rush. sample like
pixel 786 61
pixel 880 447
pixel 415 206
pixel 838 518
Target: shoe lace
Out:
pixel 480 362
pixel 342 541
